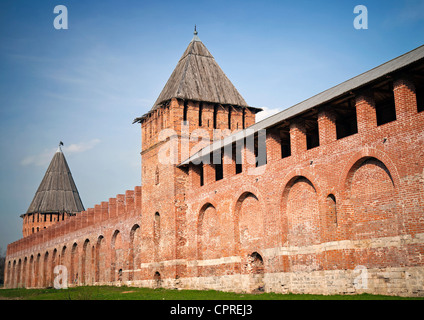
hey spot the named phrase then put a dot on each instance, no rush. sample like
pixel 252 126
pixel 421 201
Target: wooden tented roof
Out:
pixel 57 192
pixel 198 77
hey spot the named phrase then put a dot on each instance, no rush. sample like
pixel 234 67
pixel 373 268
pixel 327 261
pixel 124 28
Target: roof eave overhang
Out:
pixel 162 103
pixel 394 66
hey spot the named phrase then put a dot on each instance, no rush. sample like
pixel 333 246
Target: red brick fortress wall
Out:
pixel 323 217
pixel 342 212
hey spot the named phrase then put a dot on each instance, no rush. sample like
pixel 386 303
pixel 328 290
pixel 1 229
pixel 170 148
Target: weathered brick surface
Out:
pixel 346 216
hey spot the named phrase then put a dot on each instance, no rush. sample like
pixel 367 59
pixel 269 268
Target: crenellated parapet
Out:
pixel 120 207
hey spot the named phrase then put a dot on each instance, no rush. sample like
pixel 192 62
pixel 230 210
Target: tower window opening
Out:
pixel 200 114
pixel 156 228
pixel 185 111
pixel 201 173
pixel 229 117
pixel 244 119
pixel 420 98
pixel 157 176
pixel 215 117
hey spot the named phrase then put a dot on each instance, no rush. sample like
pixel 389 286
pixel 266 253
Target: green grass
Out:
pixel 131 293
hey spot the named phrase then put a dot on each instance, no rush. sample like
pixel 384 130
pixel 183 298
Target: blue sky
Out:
pixel 85 85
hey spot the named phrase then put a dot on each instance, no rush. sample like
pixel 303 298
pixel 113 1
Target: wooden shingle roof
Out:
pixel 57 192
pixel 198 77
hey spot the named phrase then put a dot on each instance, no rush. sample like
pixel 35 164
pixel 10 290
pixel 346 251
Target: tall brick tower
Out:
pixel 56 198
pixel 198 95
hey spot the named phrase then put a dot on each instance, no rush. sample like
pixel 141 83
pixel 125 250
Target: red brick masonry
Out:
pixel 344 216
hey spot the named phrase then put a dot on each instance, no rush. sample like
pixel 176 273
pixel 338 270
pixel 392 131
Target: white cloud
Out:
pixel 80 147
pixel 267 112
pixel 45 157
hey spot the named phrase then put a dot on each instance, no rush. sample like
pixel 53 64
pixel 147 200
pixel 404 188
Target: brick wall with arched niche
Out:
pixel 301 216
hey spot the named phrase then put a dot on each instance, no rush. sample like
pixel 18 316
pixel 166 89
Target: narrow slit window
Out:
pixel 201 174
pixel 185 111
pixel 215 116
pixel 420 98
pixel 229 117
pixel 156 226
pixel 200 114
pixel 157 176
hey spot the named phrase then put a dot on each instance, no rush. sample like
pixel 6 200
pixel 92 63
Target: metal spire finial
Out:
pixel 59 149
pixel 195 37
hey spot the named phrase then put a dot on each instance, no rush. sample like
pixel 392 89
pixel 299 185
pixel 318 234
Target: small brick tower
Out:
pixel 198 95
pixel 56 198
